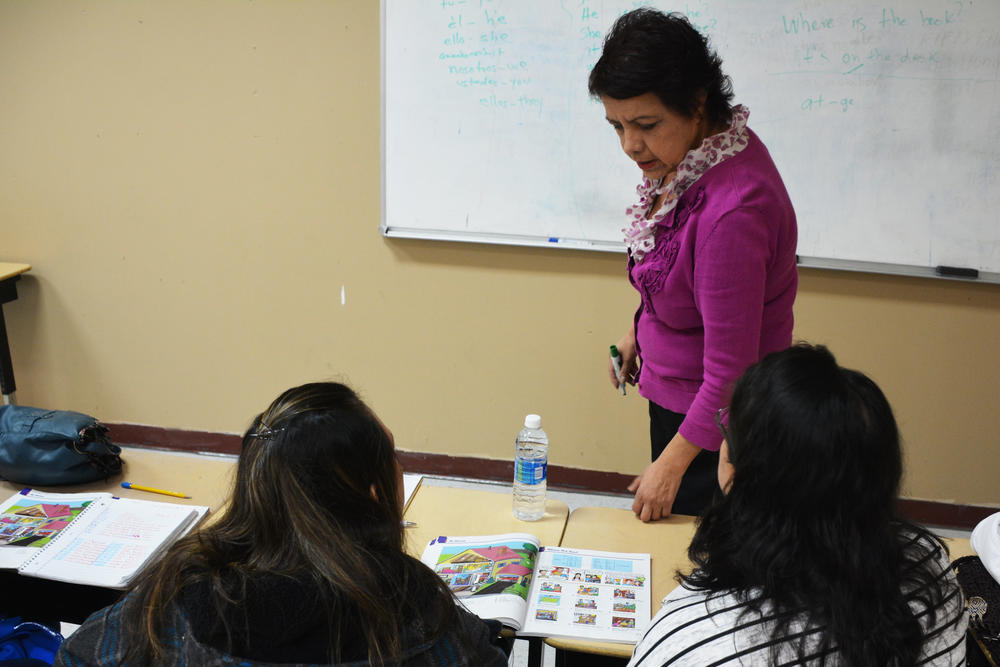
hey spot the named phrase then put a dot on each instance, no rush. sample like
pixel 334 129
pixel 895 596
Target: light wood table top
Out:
pixel 206 479
pixel 608 529
pixel 958 547
pixel 439 510
pixel 11 269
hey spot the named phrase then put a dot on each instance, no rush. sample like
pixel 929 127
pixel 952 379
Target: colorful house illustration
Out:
pixel 514 573
pixel 34 510
pixel 51 527
pixel 30 527
pixel 472 569
pixel 45 510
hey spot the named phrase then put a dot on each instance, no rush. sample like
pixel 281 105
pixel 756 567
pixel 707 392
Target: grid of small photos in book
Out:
pixel 590 589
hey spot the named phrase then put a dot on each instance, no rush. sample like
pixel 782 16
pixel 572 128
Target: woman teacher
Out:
pixel 711 247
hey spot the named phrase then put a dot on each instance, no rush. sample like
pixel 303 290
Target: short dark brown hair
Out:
pixel 647 51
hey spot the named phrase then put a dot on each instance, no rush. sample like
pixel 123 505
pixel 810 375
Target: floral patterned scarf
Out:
pixel 640 237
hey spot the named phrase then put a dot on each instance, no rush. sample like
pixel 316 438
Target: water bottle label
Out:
pixel 530 472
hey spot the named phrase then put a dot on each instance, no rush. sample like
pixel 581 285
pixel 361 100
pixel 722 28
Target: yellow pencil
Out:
pixel 130 485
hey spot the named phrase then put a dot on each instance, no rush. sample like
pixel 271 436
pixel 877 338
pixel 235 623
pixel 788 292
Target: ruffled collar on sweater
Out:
pixel 640 236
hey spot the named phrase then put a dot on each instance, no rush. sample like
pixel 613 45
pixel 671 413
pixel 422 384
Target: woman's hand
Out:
pixel 656 488
pixel 626 348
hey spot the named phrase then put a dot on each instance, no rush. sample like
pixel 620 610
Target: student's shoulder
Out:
pixel 464 639
pixel 99 639
pixel 470 641
pixel 684 624
pixel 922 546
pixel 684 606
pixel 749 179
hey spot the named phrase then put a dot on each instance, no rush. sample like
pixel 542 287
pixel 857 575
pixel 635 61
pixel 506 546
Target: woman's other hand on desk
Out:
pixel 656 488
pixel 626 348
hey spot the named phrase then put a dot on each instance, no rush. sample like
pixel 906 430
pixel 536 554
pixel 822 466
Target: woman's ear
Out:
pixel 699 113
pixel 374 493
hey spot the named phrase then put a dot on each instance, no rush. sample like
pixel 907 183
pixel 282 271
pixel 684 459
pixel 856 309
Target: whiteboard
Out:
pixel 882 119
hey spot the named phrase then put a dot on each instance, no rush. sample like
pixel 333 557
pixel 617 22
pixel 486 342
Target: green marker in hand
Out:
pixel 616 361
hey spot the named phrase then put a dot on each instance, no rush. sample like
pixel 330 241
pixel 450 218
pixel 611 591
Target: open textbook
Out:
pixel 88 538
pixel 546 591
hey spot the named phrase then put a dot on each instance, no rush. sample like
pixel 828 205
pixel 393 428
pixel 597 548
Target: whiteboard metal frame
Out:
pixel 502 239
pixel 881 268
pixel 885 268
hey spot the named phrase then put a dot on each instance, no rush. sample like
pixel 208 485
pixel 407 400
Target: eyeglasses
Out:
pixel 720 416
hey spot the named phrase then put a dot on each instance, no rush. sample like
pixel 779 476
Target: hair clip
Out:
pixel 265 432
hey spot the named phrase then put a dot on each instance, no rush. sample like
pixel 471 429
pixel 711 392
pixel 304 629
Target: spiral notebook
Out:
pixel 95 539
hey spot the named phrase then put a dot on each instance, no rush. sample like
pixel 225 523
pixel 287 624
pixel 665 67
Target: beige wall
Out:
pixel 197 184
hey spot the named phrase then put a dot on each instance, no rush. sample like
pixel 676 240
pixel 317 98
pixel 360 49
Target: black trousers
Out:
pixel 698 489
pixel 701 481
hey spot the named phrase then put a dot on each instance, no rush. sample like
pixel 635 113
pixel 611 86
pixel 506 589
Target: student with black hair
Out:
pixel 304 565
pixel 804 560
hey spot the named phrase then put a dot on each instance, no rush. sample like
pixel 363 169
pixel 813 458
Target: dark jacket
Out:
pixel 290 630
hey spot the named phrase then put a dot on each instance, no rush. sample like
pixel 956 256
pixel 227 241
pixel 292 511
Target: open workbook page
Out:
pixel 111 540
pixel 31 519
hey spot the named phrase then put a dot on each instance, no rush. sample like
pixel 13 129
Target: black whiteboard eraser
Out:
pixel 956 272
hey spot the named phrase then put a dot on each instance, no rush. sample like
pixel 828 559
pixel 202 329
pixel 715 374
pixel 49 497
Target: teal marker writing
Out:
pixel 616 361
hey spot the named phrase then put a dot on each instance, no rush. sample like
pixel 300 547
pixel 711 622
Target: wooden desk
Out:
pixel 958 547
pixel 608 529
pixel 206 479
pixel 439 510
pixel 9 275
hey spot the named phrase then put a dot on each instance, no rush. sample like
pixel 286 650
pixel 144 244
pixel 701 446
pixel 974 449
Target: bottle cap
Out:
pixel 532 421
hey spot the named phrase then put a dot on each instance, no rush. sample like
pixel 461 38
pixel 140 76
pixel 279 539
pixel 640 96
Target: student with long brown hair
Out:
pixel 304 565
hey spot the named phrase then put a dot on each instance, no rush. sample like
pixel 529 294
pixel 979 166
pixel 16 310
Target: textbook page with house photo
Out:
pixel 593 595
pixel 111 540
pixel 489 574
pixel 546 591
pixel 31 519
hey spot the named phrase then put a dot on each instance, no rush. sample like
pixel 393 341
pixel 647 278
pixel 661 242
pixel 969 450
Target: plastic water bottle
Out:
pixel 531 458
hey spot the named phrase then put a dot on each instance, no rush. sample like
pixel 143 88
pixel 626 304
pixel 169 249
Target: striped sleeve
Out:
pixel 697 628
pixel 944 642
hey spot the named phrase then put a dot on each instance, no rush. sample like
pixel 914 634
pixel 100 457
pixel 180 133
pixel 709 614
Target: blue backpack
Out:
pixel 27 642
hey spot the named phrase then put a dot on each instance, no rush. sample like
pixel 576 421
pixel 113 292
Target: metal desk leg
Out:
pixel 8 292
pixel 535 648
pixel 7 385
